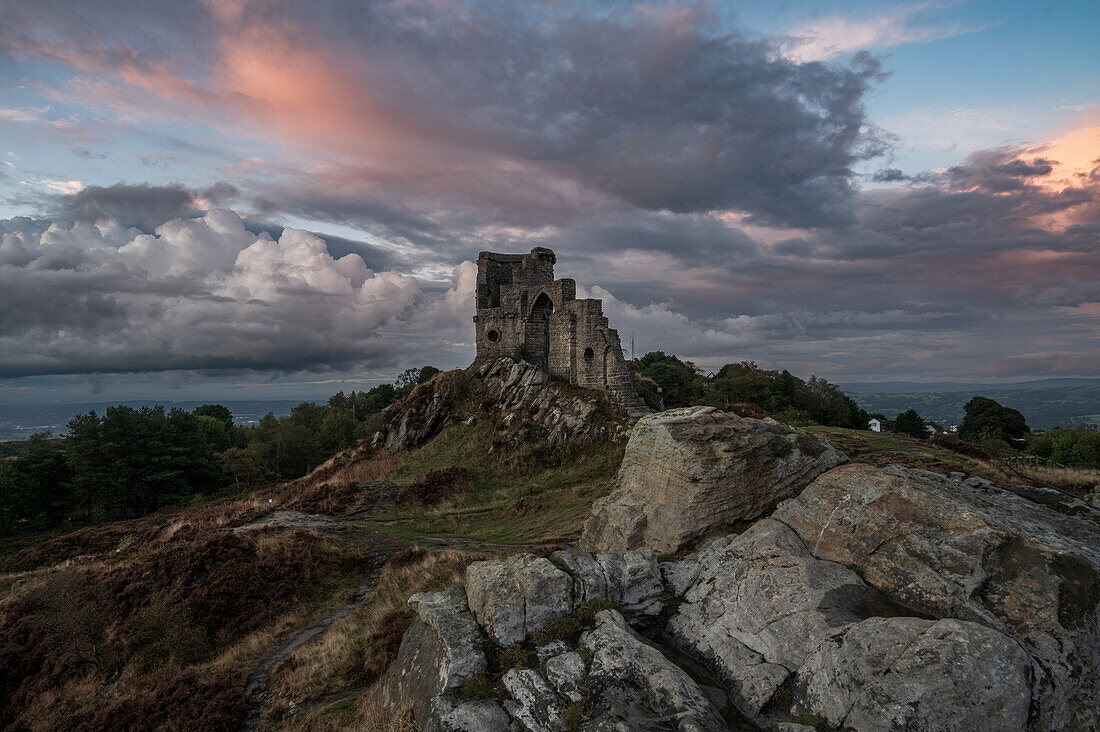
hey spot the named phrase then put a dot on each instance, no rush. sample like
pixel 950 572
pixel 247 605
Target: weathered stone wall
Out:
pixel 520 304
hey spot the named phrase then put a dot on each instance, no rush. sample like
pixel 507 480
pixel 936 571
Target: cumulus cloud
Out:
pixel 199 293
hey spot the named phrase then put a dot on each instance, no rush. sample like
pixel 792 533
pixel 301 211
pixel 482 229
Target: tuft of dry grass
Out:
pixel 378 467
pixel 355 651
pixel 374 716
pixel 343 485
pixel 1075 481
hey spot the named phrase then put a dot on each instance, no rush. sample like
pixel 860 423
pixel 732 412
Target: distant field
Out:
pixel 1044 408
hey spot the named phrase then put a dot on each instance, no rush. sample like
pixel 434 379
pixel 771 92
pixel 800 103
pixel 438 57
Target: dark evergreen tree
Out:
pixel 910 423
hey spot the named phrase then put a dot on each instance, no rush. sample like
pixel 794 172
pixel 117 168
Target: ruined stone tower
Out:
pixel 521 306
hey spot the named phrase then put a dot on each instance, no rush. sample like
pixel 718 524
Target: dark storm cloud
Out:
pixel 650 105
pixel 142 205
pixel 998 170
pixel 889 175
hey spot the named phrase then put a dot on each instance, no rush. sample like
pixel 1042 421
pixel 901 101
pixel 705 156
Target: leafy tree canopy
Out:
pixel 986 419
pixel 783 394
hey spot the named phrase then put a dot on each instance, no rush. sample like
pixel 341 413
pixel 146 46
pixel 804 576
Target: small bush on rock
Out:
pixel 570 627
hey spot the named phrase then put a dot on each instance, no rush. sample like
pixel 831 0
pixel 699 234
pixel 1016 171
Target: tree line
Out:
pixel 781 393
pixel 128 462
pixel 791 399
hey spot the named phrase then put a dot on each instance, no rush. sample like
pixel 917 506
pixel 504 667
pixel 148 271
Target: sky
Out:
pixel 249 199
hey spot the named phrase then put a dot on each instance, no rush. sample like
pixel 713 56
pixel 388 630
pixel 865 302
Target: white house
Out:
pixel 874 425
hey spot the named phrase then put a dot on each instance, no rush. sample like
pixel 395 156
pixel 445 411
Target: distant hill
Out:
pixel 938 387
pixel 1045 403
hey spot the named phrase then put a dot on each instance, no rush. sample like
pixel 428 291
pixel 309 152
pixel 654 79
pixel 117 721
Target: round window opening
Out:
pixel 588 354
pixel 493 336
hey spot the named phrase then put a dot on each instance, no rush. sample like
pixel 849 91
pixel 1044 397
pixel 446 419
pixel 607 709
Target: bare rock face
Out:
pixel 441 650
pixel 530 401
pixel 1021 561
pixel 878 599
pixel 760 604
pixel 417 418
pixel 448 715
pixel 689 470
pixel 534 705
pixel 632 578
pixel 530 404
pixel 614 677
pixel 909 673
pixel 514 597
pixel 635 687
pixel 566 672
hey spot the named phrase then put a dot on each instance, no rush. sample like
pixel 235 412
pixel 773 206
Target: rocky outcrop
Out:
pixel 687 471
pixel 441 650
pixel 633 579
pixel 533 704
pixel 531 402
pixel 528 405
pixel 764 614
pixel 909 673
pixel 759 605
pixel 876 599
pixel 1022 561
pixel 627 684
pixel 634 686
pixel 515 597
pixel 449 715
pixel 418 417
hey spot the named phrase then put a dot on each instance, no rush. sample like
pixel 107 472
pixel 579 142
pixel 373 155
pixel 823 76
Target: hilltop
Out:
pixel 284 606
pixel 162 618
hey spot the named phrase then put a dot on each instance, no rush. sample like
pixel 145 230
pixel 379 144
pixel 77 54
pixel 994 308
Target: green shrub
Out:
pixel 481 686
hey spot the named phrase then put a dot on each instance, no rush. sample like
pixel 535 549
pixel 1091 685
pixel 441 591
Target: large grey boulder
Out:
pixel 1023 561
pixel 909 673
pixel 441 650
pixel 689 470
pixel 634 686
pixel 759 605
pixel 514 597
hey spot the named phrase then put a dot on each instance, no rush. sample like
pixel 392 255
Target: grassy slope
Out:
pixel 524 495
pixel 884 448
pixel 169 564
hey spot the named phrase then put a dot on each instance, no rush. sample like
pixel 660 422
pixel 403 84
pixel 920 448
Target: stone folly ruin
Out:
pixel 522 309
